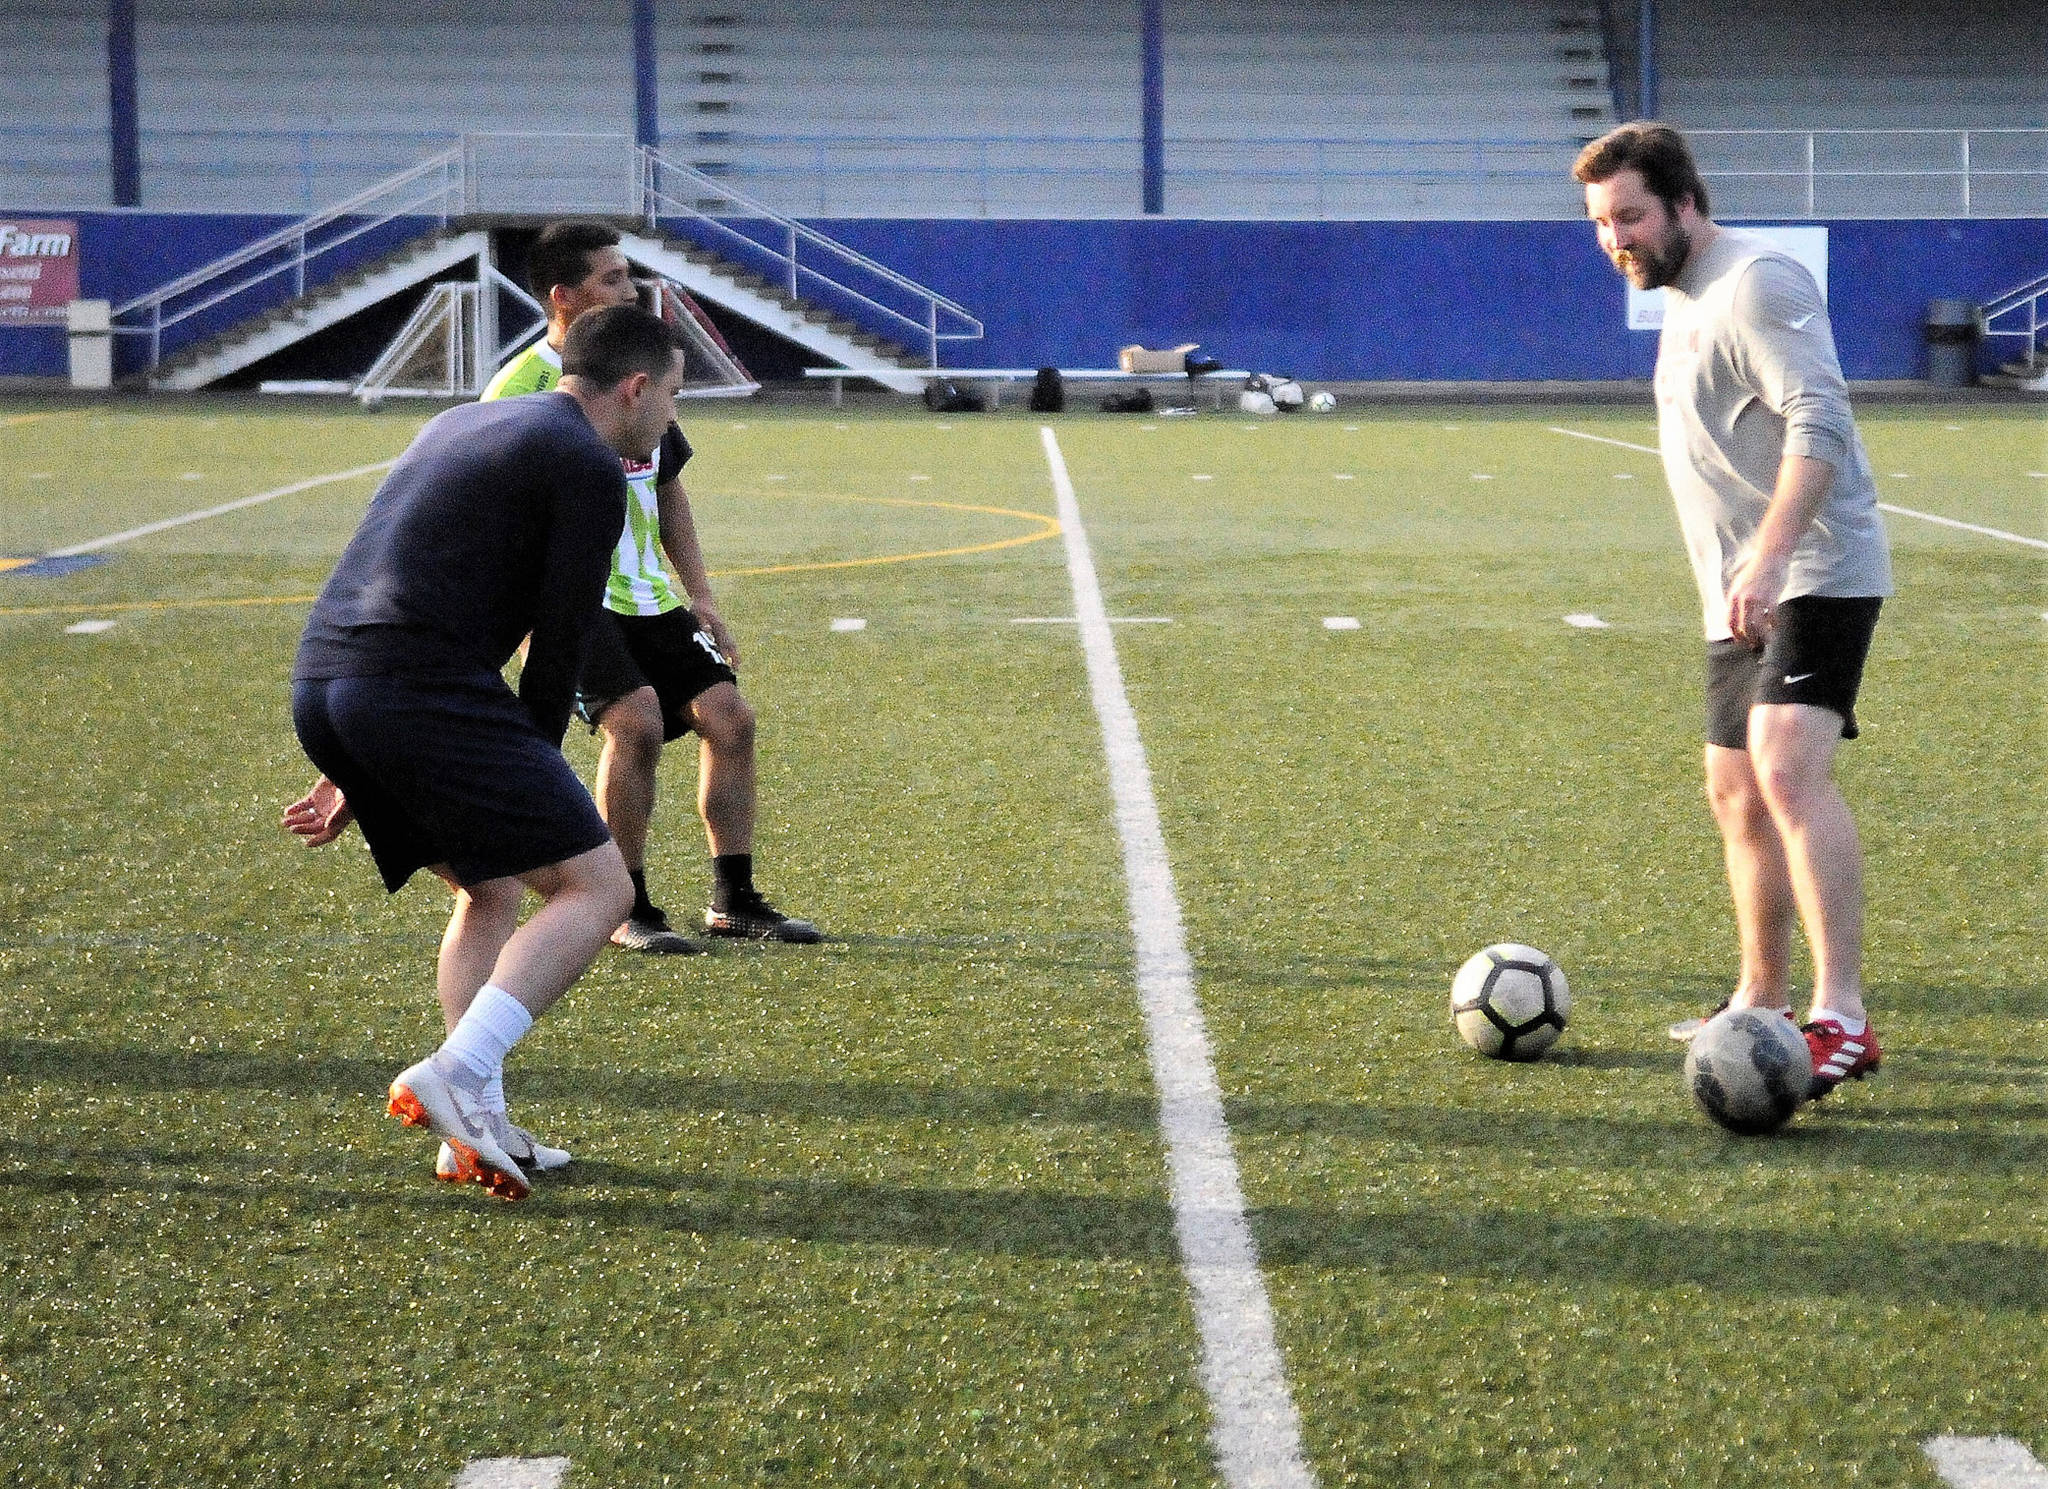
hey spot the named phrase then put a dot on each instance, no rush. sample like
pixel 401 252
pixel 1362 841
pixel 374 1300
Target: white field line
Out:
pixel 1985 1463
pixel 1074 620
pixel 1255 1429
pixel 512 1473
pixel 1968 527
pixel 225 507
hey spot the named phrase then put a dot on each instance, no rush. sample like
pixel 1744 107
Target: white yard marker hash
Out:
pixel 1985 1463
pixel 1255 1429
pixel 512 1473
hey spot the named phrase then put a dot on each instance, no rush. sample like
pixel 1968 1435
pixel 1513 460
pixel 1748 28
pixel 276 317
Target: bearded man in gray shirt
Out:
pixel 1779 512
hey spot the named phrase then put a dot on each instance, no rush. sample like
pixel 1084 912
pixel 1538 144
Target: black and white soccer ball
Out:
pixel 1749 1069
pixel 1510 1001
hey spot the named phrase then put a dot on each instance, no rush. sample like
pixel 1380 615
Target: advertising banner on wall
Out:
pixel 38 270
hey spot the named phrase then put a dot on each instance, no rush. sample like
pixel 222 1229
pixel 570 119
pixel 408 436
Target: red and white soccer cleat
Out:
pixel 1839 1055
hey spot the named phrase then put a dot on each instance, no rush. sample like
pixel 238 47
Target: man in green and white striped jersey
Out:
pixel 657 667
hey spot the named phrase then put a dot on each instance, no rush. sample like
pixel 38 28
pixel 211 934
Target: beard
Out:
pixel 1653 266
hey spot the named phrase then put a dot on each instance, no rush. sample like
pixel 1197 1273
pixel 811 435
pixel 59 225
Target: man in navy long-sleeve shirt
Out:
pixel 496 524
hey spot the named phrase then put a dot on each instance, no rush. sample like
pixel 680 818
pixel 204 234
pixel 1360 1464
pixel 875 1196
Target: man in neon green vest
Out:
pixel 657 667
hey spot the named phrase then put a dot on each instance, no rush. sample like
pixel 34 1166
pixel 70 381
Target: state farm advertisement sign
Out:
pixel 38 269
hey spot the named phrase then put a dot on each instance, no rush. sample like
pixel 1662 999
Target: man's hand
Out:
pixel 320 816
pixel 1753 598
pixel 709 618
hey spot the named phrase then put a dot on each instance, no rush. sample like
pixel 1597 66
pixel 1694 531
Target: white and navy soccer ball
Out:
pixel 1749 1069
pixel 1510 1001
pixel 1323 401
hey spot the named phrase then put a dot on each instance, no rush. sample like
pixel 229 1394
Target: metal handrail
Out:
pixel 2012 299
pixel 1964 171
pixel 2026 297
pixel 937 307
pixel 453 188
pixel 297 237
pixel 352 207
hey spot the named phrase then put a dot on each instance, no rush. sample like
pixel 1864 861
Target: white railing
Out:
pixel 2023 316
pixel 805 263
pixel 1822 173
pixel 519 174
pixel 432 190
pixel 1754 173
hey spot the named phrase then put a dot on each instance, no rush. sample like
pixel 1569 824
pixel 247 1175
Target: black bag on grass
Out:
pixel 1049 392
pixel 944 396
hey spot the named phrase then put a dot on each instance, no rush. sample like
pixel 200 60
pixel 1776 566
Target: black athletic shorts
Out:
pixel 670 653
pixel 446 770
pixel 1815 655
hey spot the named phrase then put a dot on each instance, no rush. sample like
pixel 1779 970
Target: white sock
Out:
pixel 483 1037
pixel 494 1091
pixel 1849 1025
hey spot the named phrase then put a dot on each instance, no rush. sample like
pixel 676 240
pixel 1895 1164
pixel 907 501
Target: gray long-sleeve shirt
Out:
pixel 1747 374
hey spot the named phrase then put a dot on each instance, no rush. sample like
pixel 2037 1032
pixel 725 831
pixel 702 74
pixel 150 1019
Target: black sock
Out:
pixel 732 876
pixel 643 907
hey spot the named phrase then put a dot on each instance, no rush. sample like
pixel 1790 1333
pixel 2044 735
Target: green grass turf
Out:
pixel 891 1211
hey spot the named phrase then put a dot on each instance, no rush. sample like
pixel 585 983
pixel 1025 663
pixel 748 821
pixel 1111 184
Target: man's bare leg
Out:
pixel 626 793
pixel 626 772
pixel 1759 880
pixel 1794 745
pixel 724 722
pixel 582 899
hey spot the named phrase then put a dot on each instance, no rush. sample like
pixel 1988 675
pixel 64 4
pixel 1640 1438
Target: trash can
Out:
pixel 1952 331
pixel 89 333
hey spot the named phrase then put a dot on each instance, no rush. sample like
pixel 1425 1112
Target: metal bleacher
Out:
pixel 54 133
pixel 1468 109
pixel 1876 65
pixel 1273 109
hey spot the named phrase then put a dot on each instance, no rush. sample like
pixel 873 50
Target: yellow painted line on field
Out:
pixel 1048 527
pixel 14 563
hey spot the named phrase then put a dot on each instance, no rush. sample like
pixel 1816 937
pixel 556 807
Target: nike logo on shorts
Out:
pixel 1790 680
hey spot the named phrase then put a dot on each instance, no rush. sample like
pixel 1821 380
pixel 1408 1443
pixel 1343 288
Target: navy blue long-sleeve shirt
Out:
pixel 498 522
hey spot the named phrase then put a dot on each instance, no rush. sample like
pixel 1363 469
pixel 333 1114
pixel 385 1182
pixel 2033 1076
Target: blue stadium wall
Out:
pixel 1451 301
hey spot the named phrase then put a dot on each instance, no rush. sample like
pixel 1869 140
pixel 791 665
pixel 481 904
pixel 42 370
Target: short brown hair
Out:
pixel 1656 151
pixel 561 254
pixel 607 346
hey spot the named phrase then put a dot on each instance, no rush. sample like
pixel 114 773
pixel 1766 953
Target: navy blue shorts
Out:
pixel 1815 655
pixel 446 771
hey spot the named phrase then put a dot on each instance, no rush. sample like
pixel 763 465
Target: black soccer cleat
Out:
pixel 749 917
pixel 653 935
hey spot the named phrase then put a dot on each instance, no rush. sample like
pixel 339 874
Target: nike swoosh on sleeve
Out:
pixel 1800 324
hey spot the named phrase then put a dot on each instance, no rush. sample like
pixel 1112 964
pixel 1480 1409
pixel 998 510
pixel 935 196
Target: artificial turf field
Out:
pixel 892 1211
